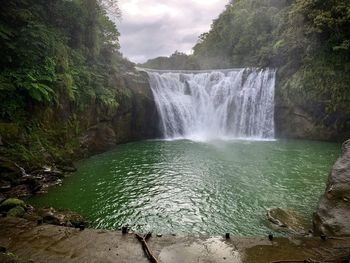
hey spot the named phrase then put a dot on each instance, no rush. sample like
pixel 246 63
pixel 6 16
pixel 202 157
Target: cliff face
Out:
pixel 135 118
pixel 294 122
pixel 332 216
pixel 297 119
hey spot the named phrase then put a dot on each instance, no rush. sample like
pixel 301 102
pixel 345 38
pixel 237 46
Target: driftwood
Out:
pixel 143 240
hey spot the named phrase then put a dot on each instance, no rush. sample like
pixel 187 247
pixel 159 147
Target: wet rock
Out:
pixel 332 216
pixel 17 211
pixel 137 117
pixel 13 207
pixel 4 186
pixel 31 214
pixel 62 217
pixel 215 76
pixel 50 218
pixel 187 89
pixel 11 203
pixel 32 182
pixel 287 219
pixel 183 78
pixel 295 122
pixel 22 190
pixel 67 169
pixel 98 138
pixel 47 171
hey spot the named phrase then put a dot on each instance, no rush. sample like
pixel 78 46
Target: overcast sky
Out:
pixel 152 28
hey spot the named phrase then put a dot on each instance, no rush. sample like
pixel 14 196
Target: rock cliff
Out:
pixel 135 118
pixel 333 213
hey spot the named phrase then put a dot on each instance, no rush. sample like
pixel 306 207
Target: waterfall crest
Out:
pixel 226 104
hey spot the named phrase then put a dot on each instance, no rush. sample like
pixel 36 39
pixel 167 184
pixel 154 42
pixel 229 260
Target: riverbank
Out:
pixel 27 242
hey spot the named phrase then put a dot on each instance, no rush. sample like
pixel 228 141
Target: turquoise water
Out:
pixel 199 188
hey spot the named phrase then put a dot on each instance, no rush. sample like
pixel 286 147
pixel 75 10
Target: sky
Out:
pixel 153 28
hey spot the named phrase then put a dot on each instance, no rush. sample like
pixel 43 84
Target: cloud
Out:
pixel 152 28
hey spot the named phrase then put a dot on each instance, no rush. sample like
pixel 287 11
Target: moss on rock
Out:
pixel 11 203
pixel 17 211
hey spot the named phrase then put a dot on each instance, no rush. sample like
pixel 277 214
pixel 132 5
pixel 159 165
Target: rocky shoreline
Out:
pixel 18 182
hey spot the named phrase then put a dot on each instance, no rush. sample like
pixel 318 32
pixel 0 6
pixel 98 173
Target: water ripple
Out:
pixel 189 187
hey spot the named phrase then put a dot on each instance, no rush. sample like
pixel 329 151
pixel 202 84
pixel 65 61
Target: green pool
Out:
pixel 198 188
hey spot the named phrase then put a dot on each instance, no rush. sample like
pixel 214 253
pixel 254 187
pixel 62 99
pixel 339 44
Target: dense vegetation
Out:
pixel 58 59
pixel 307 40
pixel 177 61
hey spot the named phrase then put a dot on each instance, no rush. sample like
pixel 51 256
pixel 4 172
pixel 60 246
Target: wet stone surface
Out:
pixel 48 243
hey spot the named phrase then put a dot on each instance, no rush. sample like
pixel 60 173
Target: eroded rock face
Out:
pixel 135 118
pixel 98 138
pixel 311 121
pixel 333 213
pixel 294 122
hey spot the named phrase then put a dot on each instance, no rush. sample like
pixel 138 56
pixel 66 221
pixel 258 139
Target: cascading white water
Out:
pixel 215 105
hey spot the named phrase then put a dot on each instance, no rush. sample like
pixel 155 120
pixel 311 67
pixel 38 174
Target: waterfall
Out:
pixel 226 104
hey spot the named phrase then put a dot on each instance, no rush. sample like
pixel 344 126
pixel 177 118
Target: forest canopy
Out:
pixel 59 64
pixel 55 49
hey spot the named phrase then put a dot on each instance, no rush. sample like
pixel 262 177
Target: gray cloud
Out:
pixel 152 28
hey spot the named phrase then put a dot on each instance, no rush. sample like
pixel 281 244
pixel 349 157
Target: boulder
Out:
pixel 332 217
pixel 61 217
pixel 17 211
pixel 11 203
pixel 50 218
pixel 287 219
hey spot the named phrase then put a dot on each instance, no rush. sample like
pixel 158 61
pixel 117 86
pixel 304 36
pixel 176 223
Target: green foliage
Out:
pixel 17 211
pixel 58 59
pixel 12 257
pixel 307 40
pixel 12 202
pixel 44 143
pixel 176 61
pixel 247 33
pixel 54 48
